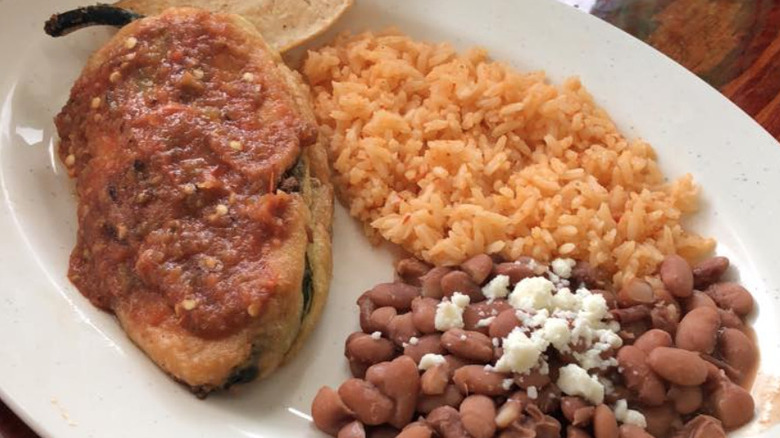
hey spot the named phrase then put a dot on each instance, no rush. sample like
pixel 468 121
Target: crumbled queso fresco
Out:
pixel 431 360
pixel 552 316
pixel 523 335
pixel 449 313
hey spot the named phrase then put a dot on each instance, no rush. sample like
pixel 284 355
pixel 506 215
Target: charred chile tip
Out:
pixel 100 14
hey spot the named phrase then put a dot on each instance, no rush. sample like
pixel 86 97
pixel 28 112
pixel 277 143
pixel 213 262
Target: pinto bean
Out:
pixel 478 267
pixel 698 330
pixel 702 426
pixel 468 344
pixel 549 398
pixel 664 296
pixel 731 296
pixel 354 429
pixel 544 425
pixel 396 295
pixel 639 377
pixel 474 313
pixel 497 353
pixel 410 270
pixel 698 299
pixel 609 297
pixel 370 406
pixel 627 315
pixel 661 419
pixel 570 405
pixel 635 292
pixel 632 431
pixel 629 332
pixel 604 423
pixel 425 344
pixel 473 379
pixel 678 366
pixel 576 432
pixel 455 363
pixel 583 416
pixel 329 412
pixel 424 314
pixel 709 271
pixel 447 422
pixel 515 271
pixel 731 372
pixel 400 381
pixel 459 281
pixel 509 412
pixel 364 348
pixel 730 319
pixel 450 397
pixel 401 329
pixel 504 323
pixel 366 307
pixel 533 378
pixel 435 379
pixel 358 368
pixel 380 319
pixel 619 392
pixel 714 374
pixel 383 431
pixel 738 350
pixel 583 274
pixel 677 276
pixel 478 413
pixel 665 317
pixel 732 404
pixel 430 283
pixel 417 429
pixel 652 339
pixel 686 399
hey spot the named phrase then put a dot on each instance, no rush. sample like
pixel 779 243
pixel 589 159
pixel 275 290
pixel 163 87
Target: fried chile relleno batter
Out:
pixel 204 202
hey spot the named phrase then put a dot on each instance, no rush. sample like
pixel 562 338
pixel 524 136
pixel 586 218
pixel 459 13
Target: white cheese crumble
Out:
pixel 620 409
pixel 565 300
pixel 536 267
pixel 562 267
pixel 609 387
pixel 532 293
pixel 485 322
pixel 558 318
pixel 594 307
pixel 628 416
pixel 460 300
pixel 544 369
pixel 430 360
pixel 636 418
pixel 520 353
pixel 376 335
pixel 507 384
pixel 533 320
pixel 532 392
pixel 498 287
pixel 573 380
pixel 414 340
pixel 449 314
pixel 556 331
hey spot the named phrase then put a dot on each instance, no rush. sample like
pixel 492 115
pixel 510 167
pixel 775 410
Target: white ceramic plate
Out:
pixel 68 369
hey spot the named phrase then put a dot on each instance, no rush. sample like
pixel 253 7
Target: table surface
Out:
pixel 732 44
